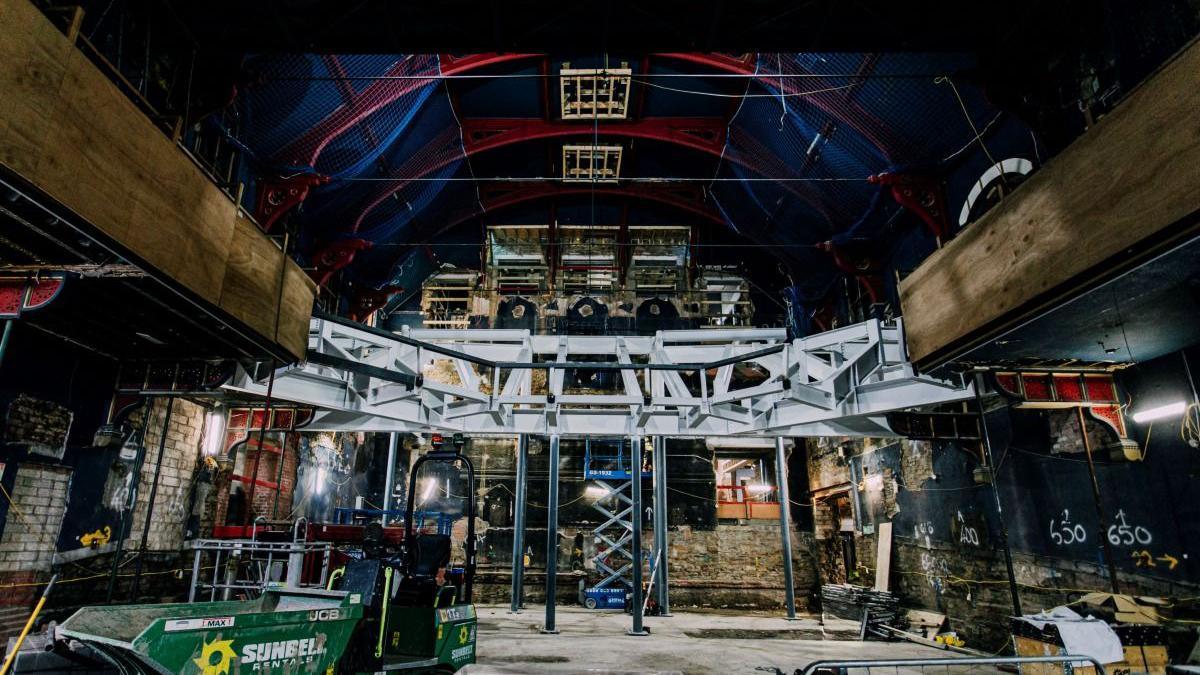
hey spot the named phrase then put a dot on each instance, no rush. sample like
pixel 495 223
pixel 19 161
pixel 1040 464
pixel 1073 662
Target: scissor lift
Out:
pixel 606 464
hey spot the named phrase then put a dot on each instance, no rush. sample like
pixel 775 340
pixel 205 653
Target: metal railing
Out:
pixel 247 566
pixel 1066 662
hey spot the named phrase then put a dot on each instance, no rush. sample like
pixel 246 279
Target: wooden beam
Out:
pixel 1126 190
pixel 68 131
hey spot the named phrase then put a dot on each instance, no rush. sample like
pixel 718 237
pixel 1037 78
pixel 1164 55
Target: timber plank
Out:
pixel 1129 178
pixel 251 286
pixel 298 292
pixel 68 130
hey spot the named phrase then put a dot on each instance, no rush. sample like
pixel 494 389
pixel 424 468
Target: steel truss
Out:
pixel 837 383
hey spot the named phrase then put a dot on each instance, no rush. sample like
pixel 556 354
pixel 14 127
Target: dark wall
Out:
pixel 1152 514
pixel 50 369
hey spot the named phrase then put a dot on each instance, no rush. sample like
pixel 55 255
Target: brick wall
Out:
pixel 41 426
pixel 737 566
pixel 39 500
pixel 268 471
pixel 181 454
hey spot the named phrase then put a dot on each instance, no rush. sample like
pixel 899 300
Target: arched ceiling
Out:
pixel 780 149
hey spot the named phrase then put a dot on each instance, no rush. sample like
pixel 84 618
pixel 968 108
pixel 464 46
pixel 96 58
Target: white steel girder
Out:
pixel 839 383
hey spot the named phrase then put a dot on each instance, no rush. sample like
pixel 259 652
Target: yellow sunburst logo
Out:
pixel 220 648
pixel 463 634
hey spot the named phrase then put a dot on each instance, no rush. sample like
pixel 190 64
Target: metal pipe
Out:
pixel 635 522
pixel 389 480
pixel 785 527
pixel 279 475
pixel 518 559
pixel 195 575
pixel 262 435
pixel 1109 561
pixel 8 324
pixel 162 447
pixel 842 666
pixel 552 537
pixel 995 479
pixel 661 510
pixel 130 501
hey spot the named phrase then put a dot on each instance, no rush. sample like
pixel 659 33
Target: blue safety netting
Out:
pixel 792 173
pixel 379 127
pixel 815 121
pixel 332 114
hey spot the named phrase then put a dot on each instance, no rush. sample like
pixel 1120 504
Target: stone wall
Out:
pixel 40 426
pixel 35 514
pixel 181 457
pixel 738 566
pixel 947 551
pixel 972 590
pixel 730 566
pixel 39 500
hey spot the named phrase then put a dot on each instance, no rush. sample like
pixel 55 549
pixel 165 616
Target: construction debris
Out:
pixel 874 609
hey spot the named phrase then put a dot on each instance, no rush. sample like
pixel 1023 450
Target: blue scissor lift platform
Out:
pixel 606 463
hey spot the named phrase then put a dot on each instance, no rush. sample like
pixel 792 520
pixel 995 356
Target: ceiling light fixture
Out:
pixel 1159 412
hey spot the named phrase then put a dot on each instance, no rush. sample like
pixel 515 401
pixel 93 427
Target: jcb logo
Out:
pixel 325 615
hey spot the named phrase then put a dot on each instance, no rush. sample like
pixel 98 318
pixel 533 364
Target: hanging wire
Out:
pixel 602 73
pixel 781 95
pixel 946 79
pixel 631 179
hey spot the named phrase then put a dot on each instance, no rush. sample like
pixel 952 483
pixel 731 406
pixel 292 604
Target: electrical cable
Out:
pixel 631 179
pixel 602 73
pixel 781 95
pixel 177 571
pixel 963 106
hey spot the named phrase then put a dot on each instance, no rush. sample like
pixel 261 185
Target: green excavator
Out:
pixel 390 608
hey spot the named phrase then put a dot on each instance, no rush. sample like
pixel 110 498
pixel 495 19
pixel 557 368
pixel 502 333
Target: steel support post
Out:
pixel 635 490
pixel 994 470
pixel 283 444
pixel 8 324
pixel 785 527
pixel 1106 545
pixel 518 554
pixel 552 538
pixel 162 447
pixel 130 504
pixel 660 524
pixel 389 480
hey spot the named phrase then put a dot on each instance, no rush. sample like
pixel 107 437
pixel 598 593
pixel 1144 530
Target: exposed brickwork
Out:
pixel 737 566
pixel 1064 429
pixel 937 571
pixel 39 500
pixel 268 473
pixel 181 455
pixel 42 426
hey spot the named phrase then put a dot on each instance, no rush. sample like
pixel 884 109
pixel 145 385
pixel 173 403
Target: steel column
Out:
pixel 660 523
pixel 8 324
pixel 635 489
pixel 130 504
pixel 1100 515
pixel 993 469
pixel 785 527
pixel 389 480
pixel 552 538
pixel 518 559
pixel 162 447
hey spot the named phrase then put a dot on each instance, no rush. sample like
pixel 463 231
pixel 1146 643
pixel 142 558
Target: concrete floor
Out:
pixel 688 642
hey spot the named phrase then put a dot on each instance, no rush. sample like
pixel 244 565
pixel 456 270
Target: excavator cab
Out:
pixel 418 614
